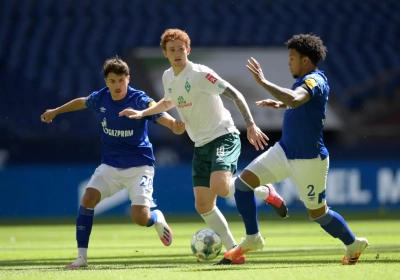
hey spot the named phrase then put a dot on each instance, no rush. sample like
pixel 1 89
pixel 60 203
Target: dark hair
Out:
pixel 308 45
pixel 115 65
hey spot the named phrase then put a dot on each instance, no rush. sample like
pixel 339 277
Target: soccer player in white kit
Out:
pixel 301 153
pixel 127 154
pixel 195 91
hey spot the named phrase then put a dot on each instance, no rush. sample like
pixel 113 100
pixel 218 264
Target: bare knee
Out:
pixel 316 213
pixel 91 198
pixel 250 178
pixel 140 215
pixel 219 182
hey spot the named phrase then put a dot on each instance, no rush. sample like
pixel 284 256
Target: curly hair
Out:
pixel 172 35
pixel 308 45
pixel 115 65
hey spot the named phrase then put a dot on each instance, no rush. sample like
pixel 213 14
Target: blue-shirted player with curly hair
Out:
pixel 301 153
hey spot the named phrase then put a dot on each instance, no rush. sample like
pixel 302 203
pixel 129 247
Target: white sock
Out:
pixel 253 237
pixel 261 192
pixel 231 191
pixel 217 222
pixel 82 252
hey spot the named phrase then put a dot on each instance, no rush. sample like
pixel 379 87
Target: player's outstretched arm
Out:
pixel 255 136
pixel 160 107
pixel 177 126
pixel 73 105
pixel 292 98
pixel 271 104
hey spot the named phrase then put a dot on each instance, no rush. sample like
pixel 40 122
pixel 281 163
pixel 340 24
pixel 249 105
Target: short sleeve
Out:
pixel 146 102
pixel 92 100
pixel 311 86
pixel 210 82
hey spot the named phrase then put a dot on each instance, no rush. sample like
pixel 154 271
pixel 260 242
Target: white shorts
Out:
pixel 137 180
pixel 308 175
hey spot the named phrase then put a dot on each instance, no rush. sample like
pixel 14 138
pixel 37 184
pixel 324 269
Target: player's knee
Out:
pixel 219 182
pixel 250 179
pixel 91 198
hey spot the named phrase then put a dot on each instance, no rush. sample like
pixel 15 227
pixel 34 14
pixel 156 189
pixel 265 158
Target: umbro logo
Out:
pixel 81 227
pixel 102 109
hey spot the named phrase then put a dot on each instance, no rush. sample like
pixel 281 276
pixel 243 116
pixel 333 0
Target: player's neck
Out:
pixel 307 70
pixel 178 69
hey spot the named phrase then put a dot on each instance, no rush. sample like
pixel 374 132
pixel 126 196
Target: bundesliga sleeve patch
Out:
pixel 311 83
pixel 211 78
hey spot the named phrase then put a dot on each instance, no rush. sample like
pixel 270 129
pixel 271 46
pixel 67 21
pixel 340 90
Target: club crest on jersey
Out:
pixel 102 109
pixel 187 86
pixel 211 78
pixel 114 132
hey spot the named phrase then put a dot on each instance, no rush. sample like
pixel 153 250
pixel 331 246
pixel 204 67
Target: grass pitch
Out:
pixel 293 250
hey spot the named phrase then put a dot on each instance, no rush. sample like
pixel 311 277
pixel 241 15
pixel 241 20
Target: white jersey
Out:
pixel 196 95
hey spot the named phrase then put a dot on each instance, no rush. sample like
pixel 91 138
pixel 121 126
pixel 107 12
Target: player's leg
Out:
pixel 205 199
pixel 309 177
pixel 98 188
pixel 267 168
pixel 139 183
pixel 243 188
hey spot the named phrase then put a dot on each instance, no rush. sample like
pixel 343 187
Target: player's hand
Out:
pixel 178 127
pixel 269 103
pixel 255 69
pixel 256 137
pixel 132 114
pixel 48 116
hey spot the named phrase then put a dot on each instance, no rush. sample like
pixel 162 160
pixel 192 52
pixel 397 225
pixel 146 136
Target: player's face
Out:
pixel 118 85
pixel 295 63
pixel 177 53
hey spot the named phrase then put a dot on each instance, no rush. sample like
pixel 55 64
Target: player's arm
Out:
pixel 175 125
pixel 255 136
pixel 160 107
pixel 233 94
pixel 271 103
pixel 73 105
pixel 292 98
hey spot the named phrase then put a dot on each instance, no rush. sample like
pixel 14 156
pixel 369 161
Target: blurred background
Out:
pixel 52 51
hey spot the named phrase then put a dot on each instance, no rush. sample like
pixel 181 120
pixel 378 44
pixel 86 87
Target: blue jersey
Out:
pixel 302 136
pixel 124 141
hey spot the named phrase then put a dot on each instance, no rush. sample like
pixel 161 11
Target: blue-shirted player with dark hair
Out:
pixel 127 154
pixel 301 153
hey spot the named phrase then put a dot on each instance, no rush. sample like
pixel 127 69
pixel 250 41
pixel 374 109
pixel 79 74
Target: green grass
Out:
pixel 293 250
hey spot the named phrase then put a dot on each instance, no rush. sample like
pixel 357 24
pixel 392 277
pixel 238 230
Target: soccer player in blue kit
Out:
pixel 301 153
pixel 127 154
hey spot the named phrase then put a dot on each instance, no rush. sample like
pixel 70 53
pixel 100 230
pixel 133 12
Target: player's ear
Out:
pixel 188 50
pixel 164 53
pixel 128 78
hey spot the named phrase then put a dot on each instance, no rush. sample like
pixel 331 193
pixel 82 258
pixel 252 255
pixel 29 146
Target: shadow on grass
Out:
pixel 186 262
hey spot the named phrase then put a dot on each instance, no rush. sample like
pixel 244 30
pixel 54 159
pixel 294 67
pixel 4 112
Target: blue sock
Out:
pixel 84 224
pixel 153 219
pixel 247 206
pixel 336 226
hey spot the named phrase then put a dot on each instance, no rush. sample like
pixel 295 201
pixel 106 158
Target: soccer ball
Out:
pixel 206 244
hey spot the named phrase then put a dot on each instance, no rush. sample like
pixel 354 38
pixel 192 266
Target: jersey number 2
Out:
pixel 311 192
